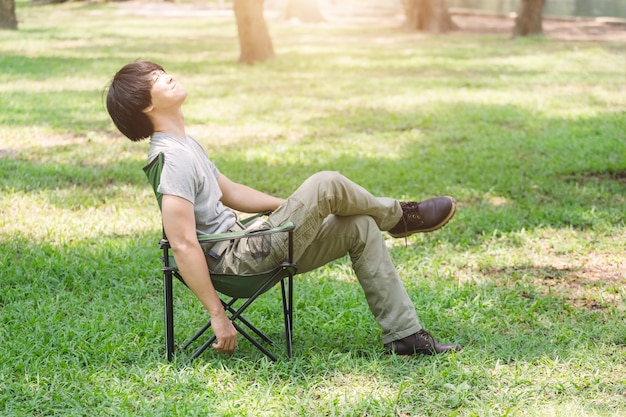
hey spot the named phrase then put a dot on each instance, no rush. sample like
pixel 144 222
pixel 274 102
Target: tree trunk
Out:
pixel 254 39
pixel 529 20
pixel 428 16
pixel 303 10
pixel 7 15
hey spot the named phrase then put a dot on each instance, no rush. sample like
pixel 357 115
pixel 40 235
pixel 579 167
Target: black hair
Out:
pixel 127 97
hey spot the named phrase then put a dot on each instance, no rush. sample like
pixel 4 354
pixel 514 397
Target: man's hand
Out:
pixel 226 334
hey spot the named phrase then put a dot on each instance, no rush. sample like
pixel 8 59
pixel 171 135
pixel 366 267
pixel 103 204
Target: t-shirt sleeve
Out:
pixel 178 178
pixel 216 172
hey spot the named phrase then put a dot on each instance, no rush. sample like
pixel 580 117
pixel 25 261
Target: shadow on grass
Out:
pixel 90 313
pixel 117 280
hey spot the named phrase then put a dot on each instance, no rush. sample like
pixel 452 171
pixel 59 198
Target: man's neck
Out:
pixel 172 124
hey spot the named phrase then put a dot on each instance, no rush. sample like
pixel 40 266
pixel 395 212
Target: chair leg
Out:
pixel 169 314
pixel 245 334
pixel 251 327
pixel 255 342
pixel 227 306
pixel 196 336
pixel 202 348
pixel 290 340
pixel 236 314
pixel 287 295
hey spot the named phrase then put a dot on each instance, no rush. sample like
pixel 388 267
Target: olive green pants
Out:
pixel 334 217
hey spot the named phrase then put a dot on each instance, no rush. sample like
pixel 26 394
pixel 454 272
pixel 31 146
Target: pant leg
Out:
pixel 334 217
pixel 386 296
pixel 327 193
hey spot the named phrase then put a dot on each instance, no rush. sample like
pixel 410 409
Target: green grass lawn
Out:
pixel 530 276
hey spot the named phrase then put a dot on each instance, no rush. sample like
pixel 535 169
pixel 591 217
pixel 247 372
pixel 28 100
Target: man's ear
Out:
pixel 148 109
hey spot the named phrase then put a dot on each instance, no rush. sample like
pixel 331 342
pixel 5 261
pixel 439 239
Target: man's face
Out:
pixel 166 92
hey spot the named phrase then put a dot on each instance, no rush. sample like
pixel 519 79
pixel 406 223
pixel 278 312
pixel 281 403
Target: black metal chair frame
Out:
pixel 283 273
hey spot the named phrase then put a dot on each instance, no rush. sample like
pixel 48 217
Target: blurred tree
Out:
pixel 529 20
pixel 428 16
pixel 254 39
pixel 7 15
pixel 303 10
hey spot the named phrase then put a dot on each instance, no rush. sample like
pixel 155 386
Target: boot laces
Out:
pixel 410 211
pixel 428 338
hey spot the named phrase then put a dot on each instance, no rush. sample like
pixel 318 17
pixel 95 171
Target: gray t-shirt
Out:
pixel 189 173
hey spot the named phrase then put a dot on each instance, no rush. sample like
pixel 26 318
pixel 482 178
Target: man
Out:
pixel 333 216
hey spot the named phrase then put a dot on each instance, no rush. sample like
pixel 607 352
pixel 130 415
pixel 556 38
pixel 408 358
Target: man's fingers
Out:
pixel 226 348
pixel 226 335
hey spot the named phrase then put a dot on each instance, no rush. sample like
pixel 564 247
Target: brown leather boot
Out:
pixel 423 216
pixel 420 343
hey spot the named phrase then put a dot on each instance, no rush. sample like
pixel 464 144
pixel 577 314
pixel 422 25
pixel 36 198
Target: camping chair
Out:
pixel 236 287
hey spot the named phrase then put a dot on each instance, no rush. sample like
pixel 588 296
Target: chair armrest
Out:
pixel 219 237
pixel 288 227
pixel 254 217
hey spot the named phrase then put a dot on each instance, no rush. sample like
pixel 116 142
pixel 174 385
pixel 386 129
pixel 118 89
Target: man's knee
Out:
pixel 327 177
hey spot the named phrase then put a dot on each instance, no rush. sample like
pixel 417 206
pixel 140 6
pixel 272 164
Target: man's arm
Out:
pixel 180 228
pixel 246 199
